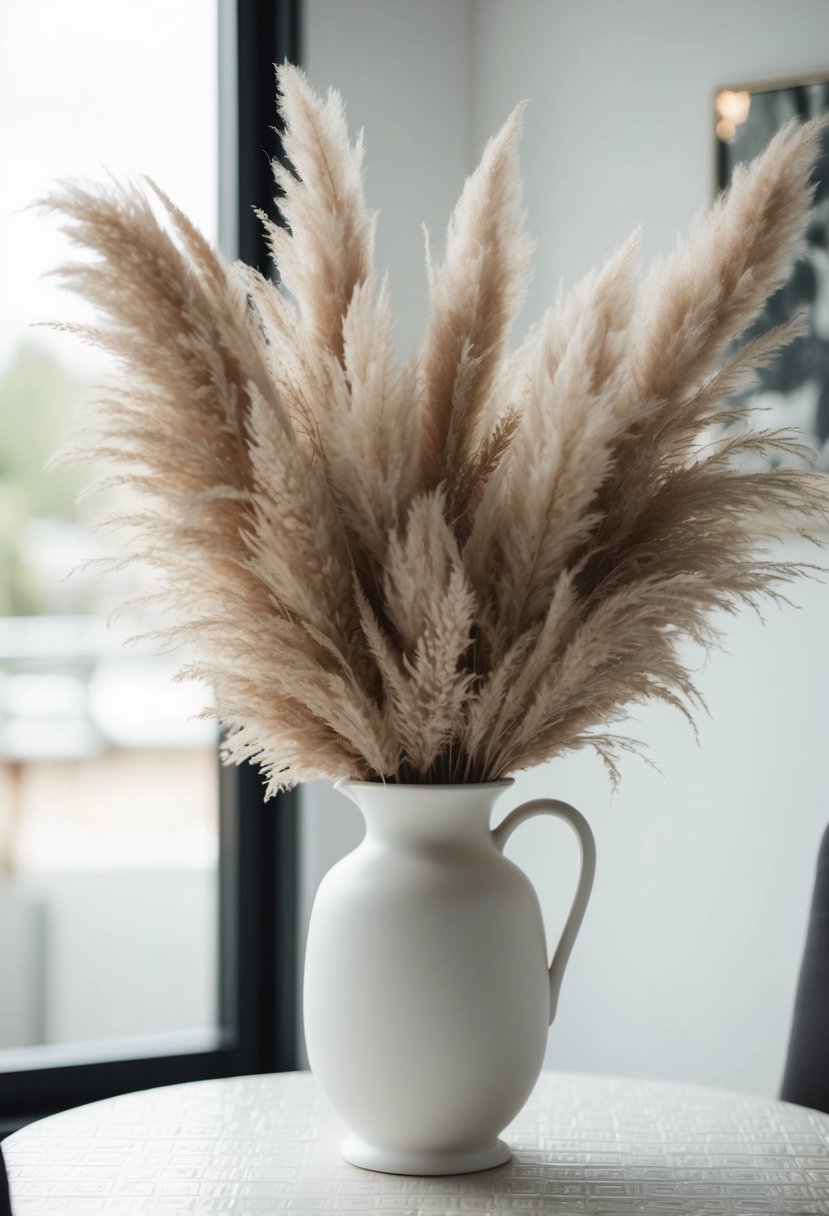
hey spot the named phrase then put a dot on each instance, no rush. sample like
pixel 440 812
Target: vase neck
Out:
pixel 426 814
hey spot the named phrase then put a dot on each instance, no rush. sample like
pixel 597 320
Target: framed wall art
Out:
pixel 793 391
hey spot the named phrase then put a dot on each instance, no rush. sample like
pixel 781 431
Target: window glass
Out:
pixel 108 780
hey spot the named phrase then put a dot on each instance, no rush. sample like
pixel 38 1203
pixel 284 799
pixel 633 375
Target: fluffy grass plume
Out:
pixel 452 568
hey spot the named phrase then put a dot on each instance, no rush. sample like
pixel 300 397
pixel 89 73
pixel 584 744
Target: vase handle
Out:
pixel 577 821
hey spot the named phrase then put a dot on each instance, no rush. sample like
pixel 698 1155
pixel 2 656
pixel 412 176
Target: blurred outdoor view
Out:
pixel 108 781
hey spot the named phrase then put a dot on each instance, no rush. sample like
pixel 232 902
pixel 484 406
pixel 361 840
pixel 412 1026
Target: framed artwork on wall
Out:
pixel 793 391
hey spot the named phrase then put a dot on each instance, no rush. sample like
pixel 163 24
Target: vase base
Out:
pixel 387 1161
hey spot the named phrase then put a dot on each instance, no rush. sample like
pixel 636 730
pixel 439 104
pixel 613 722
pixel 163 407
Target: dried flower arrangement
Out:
pixel 452 568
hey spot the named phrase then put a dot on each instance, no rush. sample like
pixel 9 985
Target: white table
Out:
pixel 269 1144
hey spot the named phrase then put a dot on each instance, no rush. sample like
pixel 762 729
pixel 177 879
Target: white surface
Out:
pixel 689 955
pixel 271 1144
pixel 427 995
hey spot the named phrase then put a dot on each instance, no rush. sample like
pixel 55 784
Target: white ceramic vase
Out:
pixel 427 991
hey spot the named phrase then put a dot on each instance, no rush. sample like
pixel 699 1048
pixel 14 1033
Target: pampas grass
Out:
pixel 452 568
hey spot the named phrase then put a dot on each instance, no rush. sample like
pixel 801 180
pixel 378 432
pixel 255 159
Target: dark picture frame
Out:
pixel 793 391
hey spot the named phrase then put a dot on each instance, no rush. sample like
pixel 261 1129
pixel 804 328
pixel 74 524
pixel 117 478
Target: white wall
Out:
pixel 619 130
pixel 691 947
pixel 689 954
pixel 404 71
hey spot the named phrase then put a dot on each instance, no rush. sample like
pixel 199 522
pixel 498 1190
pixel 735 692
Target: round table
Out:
pixel 269 1144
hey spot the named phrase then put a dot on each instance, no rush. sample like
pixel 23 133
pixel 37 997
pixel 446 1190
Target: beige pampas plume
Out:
pixel 475 295
pixel 327 249
pixel 453 567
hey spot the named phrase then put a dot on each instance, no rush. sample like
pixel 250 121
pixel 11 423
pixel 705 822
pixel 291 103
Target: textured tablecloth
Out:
pixel 269 1144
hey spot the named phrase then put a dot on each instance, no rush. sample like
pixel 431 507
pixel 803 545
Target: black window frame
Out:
pixel 258 870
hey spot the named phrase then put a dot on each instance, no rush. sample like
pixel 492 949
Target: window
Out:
pixel 147 919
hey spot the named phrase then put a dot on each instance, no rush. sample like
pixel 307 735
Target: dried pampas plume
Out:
pixel 458 566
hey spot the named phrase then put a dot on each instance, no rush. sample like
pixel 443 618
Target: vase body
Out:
pixel 427 993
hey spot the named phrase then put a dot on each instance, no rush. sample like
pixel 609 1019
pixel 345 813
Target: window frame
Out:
pixel 258 869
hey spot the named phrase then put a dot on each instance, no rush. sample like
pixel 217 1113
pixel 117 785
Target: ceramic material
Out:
pixel 427 992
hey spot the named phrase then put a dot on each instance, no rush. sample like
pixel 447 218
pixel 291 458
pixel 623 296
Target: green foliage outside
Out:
pixel 38 403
